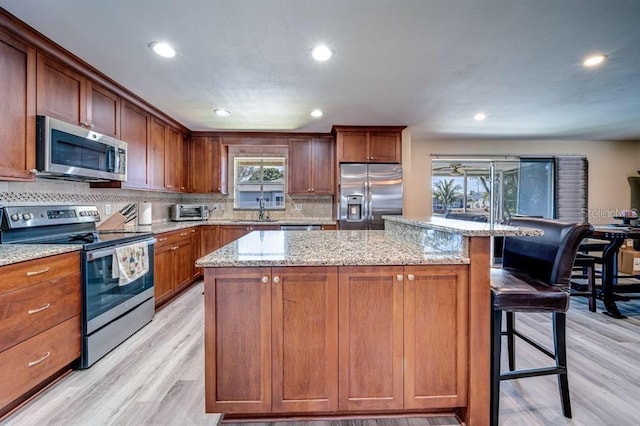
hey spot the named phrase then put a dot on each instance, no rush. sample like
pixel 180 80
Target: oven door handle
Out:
pixel 99 254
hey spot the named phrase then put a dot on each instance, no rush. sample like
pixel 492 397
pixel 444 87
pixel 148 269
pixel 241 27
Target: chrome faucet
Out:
pixel 261 208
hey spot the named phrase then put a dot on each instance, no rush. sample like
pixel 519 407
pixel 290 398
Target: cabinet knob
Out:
pixel 265 279
pixel 411 277
pixel 399 277
pixel 276 279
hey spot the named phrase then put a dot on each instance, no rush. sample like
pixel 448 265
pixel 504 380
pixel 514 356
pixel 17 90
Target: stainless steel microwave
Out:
pixel 67 151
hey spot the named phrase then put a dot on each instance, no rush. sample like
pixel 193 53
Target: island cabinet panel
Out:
pixel 304 314
pixel 371 338
pixel 436 336
pixel 238 344
pixel 17 109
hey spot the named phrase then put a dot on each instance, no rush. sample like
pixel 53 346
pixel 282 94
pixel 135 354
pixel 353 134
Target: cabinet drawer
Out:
pixel 171 238
pixel 26 365
pixel 31 310
pixel 36 271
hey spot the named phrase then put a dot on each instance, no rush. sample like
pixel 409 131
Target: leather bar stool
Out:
pixel 535 277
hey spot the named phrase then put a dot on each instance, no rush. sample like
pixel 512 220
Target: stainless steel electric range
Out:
pixel 115 302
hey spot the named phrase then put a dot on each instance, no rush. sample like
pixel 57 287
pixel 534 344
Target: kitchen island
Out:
pixel 341 323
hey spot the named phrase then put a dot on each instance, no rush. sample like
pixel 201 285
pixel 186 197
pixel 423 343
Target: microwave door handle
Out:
pixel 111 159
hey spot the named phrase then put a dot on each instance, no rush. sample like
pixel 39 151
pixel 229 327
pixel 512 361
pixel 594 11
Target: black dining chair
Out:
pixel 535 277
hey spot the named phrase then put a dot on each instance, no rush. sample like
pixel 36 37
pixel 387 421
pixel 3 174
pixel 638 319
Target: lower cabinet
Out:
pixel 173 264
pixel 329 339
pixel 40 305
pixel 274 344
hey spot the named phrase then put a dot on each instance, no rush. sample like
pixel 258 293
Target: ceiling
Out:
pixel 427 64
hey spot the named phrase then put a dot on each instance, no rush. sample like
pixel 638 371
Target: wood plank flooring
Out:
pixel 156 377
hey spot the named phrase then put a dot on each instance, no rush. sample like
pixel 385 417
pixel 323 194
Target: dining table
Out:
pixel 614 237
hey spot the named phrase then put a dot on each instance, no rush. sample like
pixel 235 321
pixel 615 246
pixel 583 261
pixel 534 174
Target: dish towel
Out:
pixel 130 263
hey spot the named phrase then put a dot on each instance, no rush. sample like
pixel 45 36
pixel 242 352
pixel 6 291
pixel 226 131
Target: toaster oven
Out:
pixel 180 212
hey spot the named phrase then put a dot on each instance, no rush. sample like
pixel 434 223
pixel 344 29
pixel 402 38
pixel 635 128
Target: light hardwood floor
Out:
pixel 156 377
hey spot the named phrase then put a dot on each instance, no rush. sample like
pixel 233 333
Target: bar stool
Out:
pixel 535 277
pixel 586 267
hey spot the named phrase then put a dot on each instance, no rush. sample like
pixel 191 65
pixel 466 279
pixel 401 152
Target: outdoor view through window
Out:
pixel 493 190
pixel 259 177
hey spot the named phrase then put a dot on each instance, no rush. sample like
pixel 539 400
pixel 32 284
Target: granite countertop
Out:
pixel 15 253
pixel 160 227
pixel 326 248
pixel 464 227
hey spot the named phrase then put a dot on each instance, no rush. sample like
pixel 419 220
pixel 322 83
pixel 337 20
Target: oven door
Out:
pixel 103 298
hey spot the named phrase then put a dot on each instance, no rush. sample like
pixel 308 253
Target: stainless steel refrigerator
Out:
pixel 368 191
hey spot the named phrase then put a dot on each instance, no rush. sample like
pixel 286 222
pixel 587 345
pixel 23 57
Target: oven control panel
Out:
pixel 29 216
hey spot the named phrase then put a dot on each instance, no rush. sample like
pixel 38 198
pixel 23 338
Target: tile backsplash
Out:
pixel 46 191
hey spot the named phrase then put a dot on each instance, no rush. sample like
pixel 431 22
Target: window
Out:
pixel 259 177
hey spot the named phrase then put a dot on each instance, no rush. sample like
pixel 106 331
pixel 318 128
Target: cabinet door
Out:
pixel 371 338
pixel 135 131
pixel 173 160
pixel 229 233
pixel 209 241
pixel 353 147
pixel 61 92
pixel 436 336
pixel 299 166
pixel 196 251
pixel 384 147
pixel 104 110
pixel 158 137
pixel 17 109
pixel 183 264
pixel 163 274
pixel 237 340
pixel 304 304
pixel 204 170
pixel 322 166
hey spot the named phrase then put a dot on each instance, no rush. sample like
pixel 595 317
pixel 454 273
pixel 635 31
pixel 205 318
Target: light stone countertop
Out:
pixel 160 227
pixel 463 227
pixel 16 253
pixel 326 248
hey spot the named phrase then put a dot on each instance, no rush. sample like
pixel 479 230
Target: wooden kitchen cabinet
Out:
pixel 229 233
pixel 135 132
pixel 371 338
pixel 173 160
pixel 40 324
pixel 289 319
pixel 204 171
pixel 158 136
pixel 173 264
pixel 210 239
pixel 67 95
pixel 365 144
pixel 311 166
pixel 17 109
pixel 435 336
pixel 196 247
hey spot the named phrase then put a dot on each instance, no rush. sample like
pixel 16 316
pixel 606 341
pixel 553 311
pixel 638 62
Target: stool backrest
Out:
pixel 473 217
pixel 548 258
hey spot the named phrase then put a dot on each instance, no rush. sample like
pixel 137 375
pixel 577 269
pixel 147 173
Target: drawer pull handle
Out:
pixel 38 361
pixel 35 311
pixel 41 271
pixel 162 239
pixel 184 234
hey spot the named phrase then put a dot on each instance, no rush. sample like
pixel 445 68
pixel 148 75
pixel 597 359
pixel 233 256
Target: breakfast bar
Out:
pixel 342 323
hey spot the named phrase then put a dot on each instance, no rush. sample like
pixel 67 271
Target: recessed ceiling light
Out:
pixel 163 49
pixel 480 116
pixel 594 60
pixel 222 112
pixel 317 113
pixel 321 53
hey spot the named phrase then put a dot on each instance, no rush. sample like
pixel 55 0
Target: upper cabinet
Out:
pixel 135 132
pixel 204 160
pixel 311 166
pixel 366 144
pixel 173 160
pixel 17 109
pixel 67 95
